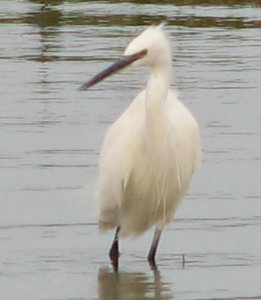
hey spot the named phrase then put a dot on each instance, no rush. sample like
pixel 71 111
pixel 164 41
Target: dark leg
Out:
pixel 114 251
pixel 153 248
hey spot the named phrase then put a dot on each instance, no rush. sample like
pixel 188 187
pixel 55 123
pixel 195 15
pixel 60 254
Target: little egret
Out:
pixel 150 152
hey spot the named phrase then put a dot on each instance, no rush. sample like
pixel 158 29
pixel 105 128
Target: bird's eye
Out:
pixel 144 52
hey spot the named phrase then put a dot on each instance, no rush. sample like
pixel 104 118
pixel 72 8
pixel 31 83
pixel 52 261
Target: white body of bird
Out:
pixel 146 164
pixel 150 152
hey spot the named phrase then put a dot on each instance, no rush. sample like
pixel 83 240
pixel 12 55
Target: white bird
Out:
pixel 150 152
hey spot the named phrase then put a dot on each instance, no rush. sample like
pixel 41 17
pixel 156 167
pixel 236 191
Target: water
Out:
pixel 51 134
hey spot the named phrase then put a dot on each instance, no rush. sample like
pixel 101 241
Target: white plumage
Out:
pixel 150 152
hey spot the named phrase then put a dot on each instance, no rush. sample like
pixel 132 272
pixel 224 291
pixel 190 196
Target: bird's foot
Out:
pixel 114 255
pixel 152 263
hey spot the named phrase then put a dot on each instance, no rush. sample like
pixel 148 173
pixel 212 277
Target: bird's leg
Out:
pixel 153 248
pixel 114 251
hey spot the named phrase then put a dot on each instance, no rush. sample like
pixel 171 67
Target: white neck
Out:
pixel 156 94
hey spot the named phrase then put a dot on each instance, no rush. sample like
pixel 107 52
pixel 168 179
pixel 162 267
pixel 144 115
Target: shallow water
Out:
pixel 51 135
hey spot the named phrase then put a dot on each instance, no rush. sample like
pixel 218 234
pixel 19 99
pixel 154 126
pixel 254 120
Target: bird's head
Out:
pixel 153 43
pixel 150 48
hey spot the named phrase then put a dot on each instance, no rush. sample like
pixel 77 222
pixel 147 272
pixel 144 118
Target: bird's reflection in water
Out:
pixel 131 285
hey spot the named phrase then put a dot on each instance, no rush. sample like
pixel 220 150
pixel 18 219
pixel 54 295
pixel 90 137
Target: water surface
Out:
pixel 51 135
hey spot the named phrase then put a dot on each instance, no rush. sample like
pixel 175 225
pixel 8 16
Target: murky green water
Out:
pixel 51 133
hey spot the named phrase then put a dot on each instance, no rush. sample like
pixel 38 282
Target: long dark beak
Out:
pixel 117 66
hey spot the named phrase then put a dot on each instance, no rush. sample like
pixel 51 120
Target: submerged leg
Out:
pixel 154 246
pixel 114 251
